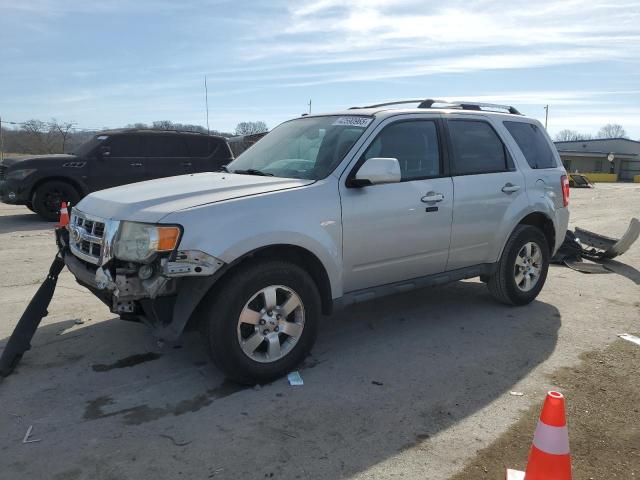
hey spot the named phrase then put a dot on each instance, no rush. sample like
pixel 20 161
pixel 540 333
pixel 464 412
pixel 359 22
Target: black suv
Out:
pixel 109 159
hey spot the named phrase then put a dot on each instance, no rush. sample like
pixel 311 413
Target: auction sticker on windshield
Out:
pixel 353 121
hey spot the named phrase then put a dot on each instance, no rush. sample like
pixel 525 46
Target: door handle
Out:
pixel 135 164
pixel 186 164
pixel 510 188
pixel 432 197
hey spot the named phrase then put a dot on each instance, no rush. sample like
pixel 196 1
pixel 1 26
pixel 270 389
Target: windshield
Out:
pixel 87 147
pixel 305 148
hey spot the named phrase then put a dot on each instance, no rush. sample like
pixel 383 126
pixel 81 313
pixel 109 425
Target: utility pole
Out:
pixel 309 106
pixel 546 116
pixel 206 101
pixel 1 143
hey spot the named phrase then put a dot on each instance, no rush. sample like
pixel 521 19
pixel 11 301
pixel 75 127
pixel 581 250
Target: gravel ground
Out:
pixel 411 386
pixel 603 415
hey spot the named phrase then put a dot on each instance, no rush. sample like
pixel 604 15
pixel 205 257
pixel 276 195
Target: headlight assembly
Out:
pixel 20 174
pixel 138 242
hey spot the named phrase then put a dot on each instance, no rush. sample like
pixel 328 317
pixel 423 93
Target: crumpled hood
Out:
pixel 151 200
pixel 34 161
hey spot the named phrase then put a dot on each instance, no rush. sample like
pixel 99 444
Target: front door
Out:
pixel 399 231
pixel 121 163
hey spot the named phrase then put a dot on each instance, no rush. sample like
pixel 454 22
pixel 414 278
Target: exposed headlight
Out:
pixel 20 174
pixel 138 242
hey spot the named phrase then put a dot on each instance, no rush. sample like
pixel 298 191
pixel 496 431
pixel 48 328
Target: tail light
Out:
pixel 565 190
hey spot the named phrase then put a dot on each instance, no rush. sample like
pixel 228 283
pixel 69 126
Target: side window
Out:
pixel 533 144
pixel 414 144
pixel 201 146
pixel 162 146
pixel 126 146
pixel 476 148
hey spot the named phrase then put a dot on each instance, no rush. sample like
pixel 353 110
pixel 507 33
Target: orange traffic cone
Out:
pixel 549 457
pixel 64 216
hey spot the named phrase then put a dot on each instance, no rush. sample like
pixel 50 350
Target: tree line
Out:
pixel 38 137
pixel 610 130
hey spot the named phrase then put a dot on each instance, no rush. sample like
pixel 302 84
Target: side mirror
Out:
pixel 377 171
pixel 105 151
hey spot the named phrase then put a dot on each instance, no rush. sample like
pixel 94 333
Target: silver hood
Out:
pixel 152 200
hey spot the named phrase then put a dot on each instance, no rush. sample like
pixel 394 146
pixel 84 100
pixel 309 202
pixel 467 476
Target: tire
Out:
pixel 30 207
pixel 48 196
pixel 509 282
pixel 242 350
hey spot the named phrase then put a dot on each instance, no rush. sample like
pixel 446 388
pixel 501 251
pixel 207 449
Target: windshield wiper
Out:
pixel 253 171
pixel 224 168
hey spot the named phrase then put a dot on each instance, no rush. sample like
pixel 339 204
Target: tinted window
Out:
pixel 414 144
pixel 201 146
pixel 533 144
pixel 476 148
pixel 126 146
pixel 166 146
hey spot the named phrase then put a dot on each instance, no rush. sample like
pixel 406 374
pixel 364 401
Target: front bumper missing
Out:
pixel 165 301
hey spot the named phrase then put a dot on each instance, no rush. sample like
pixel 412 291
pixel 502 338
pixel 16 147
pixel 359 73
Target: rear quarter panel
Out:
pixel 543 187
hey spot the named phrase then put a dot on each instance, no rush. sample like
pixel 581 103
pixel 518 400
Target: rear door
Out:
pixel 167 156
pixel 399 231
pixel 122 163
pixel 487 189
pixel 208 154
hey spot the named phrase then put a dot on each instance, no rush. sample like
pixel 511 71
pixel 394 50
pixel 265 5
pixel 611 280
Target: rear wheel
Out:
pixel 522 269
pixel 262 321
pixel 48 197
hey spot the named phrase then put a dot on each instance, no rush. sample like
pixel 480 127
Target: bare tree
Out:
pixel 163 125
pixel 612 130
pixel 570 135
pixel 249 128
pixel 38 137
pixel 64 130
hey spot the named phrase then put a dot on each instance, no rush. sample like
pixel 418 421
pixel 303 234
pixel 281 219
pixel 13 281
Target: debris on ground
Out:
pixel 516 394
pixel 295 380
pixel 27 436
pixel 581 245
pixel 78 321
pixel 374 382
pixel 631 338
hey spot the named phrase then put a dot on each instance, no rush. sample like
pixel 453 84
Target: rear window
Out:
pixel 533 144
pixel 201 146
pixel 166 146
pixel 476 148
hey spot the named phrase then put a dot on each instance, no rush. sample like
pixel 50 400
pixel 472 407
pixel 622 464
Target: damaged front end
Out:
pixel 138 271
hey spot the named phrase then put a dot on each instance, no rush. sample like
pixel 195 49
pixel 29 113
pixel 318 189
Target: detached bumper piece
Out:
pixel 582 244
pixel 20 340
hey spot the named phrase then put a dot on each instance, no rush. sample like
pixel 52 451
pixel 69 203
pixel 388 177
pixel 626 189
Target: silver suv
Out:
pixel 327 211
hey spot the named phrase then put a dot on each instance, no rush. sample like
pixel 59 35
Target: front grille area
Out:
pixel 3 172
pixel 86 236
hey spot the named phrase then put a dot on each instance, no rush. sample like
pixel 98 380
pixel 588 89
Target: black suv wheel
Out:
pixel 262 321
pixel 48 197
pixel 522 269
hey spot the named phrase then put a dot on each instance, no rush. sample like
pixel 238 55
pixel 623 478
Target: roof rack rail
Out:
pixel 463 105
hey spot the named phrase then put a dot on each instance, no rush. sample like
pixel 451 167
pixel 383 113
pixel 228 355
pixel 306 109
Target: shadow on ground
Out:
pixel 383 377
pixel 23 222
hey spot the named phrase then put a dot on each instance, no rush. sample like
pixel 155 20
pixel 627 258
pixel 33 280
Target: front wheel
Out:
pixel 48 197
pixel 262 322
pixel 522 269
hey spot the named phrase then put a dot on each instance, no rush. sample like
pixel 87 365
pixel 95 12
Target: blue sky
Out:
pixel 109 63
